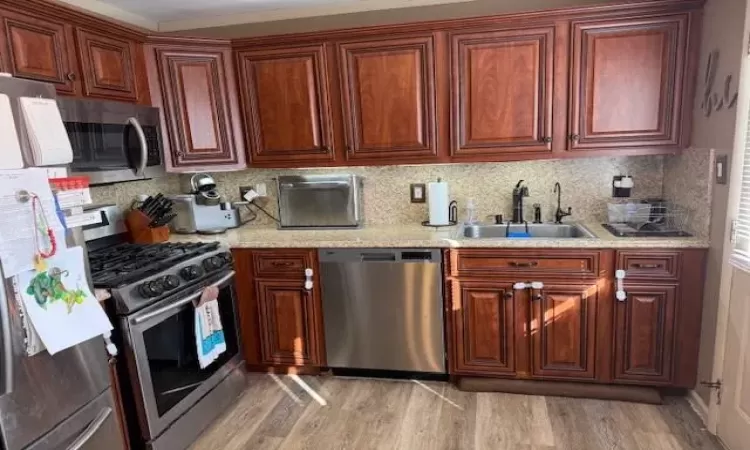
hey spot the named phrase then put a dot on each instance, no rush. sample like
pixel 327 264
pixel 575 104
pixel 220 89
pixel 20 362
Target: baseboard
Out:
pixel 698 405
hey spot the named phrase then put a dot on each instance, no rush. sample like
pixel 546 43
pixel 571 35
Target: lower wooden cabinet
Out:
pixel 644 333
pixel 288 316
pixel 563 330
pixel 484 329
pixel 281 322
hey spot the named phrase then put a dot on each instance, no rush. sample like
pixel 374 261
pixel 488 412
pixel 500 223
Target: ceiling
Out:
pixel 175 15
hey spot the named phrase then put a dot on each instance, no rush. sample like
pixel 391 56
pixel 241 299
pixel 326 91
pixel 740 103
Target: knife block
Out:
pixel 141 233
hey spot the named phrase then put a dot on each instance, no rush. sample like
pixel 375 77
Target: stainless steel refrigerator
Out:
pixel 50 402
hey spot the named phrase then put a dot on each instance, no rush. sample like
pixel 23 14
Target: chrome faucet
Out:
pixel 559 214
pixel 519 192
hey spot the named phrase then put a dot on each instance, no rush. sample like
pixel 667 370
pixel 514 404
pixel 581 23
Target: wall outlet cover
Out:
pixel 722 169
pixel 418 192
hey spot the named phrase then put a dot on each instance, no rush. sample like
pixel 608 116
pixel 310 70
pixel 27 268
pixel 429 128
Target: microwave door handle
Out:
pixel 182 302
pixel 144 146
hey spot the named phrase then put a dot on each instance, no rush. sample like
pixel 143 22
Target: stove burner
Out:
pixel 127 263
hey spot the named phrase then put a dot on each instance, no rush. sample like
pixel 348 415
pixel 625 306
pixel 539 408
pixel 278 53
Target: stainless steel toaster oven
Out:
pixel 320 201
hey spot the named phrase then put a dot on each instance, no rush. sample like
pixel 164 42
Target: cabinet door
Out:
pixel 484 337
pixel 502 92
pixel 38 49
pixel 563 331
pixel 289 323
pixel 644 334
pixel 108 66
pixel 389 98
pixel 285 95
pixel 628 82
pixel 196 106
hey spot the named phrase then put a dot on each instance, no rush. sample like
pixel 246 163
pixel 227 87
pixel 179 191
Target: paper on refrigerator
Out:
pixel 17 236
pixel 60 304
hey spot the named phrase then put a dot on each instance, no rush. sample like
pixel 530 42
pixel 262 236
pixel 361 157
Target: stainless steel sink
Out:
pixel 543 230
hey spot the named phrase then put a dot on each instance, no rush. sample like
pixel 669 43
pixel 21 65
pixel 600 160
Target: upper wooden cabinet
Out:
pixel 501 91
pixel 628 82
pixel 194 86
pixel 563 330
pixel 388 91
pixel 38 49
pixel 285 96
pixel 108 66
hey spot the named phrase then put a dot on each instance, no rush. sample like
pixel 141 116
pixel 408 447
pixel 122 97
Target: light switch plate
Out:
pixel 418 192
pixel 722 169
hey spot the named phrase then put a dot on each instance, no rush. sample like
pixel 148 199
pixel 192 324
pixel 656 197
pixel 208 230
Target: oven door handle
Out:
pixel 91 430
pixel 181 302
pixel 144 145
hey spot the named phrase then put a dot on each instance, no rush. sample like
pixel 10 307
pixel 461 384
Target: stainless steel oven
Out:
pixel 113 141
pixel 168 383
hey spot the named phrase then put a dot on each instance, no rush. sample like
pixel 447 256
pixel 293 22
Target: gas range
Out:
pixel 139 275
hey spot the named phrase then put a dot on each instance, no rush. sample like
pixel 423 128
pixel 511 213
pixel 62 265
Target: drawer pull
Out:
pixel 523 264
pixel 647 266
pixel 282 264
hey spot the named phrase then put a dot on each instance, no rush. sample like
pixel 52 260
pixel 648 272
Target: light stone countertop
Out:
pixel 417 236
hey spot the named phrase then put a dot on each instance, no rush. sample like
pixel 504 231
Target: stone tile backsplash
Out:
pixel 586 186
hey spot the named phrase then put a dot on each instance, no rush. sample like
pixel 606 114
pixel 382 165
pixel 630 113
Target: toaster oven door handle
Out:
pixel 144 145
pixel 182 302
pixel 316 184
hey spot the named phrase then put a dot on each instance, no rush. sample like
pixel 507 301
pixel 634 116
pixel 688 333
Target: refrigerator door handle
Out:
pixel 7 372
pixel 91 430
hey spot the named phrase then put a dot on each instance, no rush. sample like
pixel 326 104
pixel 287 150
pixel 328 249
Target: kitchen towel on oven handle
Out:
pixel 209 333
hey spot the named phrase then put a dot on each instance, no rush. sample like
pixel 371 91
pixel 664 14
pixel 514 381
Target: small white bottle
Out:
pixel 471 212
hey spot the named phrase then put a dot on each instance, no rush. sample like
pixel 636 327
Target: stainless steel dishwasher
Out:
pixel 383 309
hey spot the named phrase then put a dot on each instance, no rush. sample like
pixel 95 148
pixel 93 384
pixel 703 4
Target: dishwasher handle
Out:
pixel 369 257
pixel 380 255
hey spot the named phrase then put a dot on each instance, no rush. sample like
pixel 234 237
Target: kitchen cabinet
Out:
pixel 644 334
pixel 501 91
pixel 281 321
pixel 484 328
pixel 551 314
pixel 563 330
pixel 285 97
pixel 388 92
pixel 38 49
pixel 108 65
pixel 628 82
pixel 192 81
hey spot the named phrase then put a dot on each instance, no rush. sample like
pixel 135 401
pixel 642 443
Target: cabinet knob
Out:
pixel 71 76
pixel 508 295
pixel 537 297
pixel 546 140
pixel 575 137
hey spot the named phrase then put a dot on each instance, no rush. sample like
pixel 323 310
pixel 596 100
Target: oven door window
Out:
pixel 172 355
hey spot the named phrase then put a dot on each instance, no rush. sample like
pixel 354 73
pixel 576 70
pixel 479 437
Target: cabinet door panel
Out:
pixel 38 50
pixel 627 82
pixel 196 106
pixel 502 91
pixel 563 330
pixel 287 323
pixel 108 66
pixel 389 98
pixel 285 93
pixel 484 329
pixel 644 334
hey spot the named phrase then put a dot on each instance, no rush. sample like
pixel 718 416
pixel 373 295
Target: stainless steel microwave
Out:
pixel 320 201
pixel 113 141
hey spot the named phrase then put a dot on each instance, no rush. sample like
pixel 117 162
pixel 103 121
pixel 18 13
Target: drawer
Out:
pixel 282 264
pixel 490 262
pixel 650 265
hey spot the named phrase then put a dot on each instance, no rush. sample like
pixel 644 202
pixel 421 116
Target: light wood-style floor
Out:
pixel 289 412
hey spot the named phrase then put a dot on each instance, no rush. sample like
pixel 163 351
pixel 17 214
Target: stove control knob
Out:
pixel 171 282
pixel 226 258
pixel 191 272
pixel 151 289
pixel 212 263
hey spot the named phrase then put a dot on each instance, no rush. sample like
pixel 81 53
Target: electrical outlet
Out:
pixel 244 190
pixel 418 192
